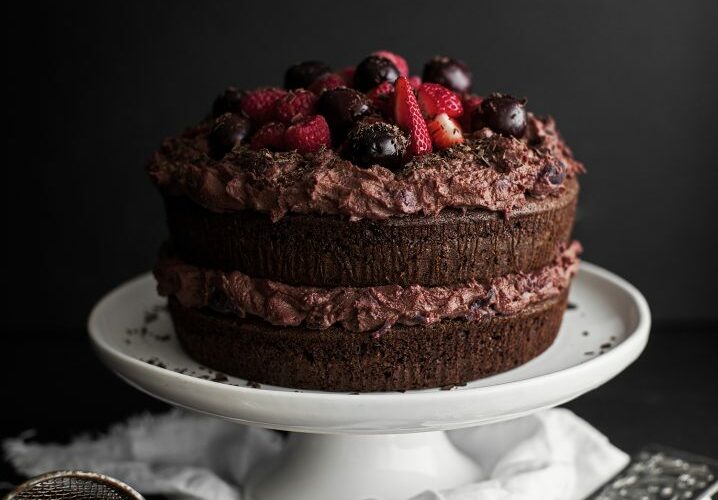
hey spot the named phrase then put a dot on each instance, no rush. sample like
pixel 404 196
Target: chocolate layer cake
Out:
pixel 364 230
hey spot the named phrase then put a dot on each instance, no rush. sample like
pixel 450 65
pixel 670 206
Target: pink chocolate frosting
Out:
pixel 363 309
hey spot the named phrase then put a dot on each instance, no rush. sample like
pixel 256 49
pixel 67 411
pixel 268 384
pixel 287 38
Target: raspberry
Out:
pixel 382 96
pixel 308 135
pixel 328 81
pixel 415 81
pixel 270 136
pixel 348 75
pixel 434 99
pixel 398 61
pixel 258 105
pixel 294 106
pixel 408 116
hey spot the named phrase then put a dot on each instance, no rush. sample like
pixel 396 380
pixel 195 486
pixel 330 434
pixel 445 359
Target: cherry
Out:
pixel 502 113
pixel 451 73
pixel 228 129
pixel 302 74
pixel 377 143
pixel 372 71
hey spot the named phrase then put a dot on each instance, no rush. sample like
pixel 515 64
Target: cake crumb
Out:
pixel 253 384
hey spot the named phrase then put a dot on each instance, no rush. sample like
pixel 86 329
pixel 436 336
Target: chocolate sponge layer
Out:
pixel 329 251
pixel 405 357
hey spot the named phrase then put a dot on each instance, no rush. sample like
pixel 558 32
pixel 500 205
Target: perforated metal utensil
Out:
pixel 73 485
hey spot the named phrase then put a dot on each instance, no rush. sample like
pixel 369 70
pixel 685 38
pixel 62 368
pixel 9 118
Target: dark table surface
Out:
pixel 669 396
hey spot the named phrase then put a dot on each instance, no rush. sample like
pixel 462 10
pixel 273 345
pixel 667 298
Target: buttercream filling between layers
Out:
pixel 368 309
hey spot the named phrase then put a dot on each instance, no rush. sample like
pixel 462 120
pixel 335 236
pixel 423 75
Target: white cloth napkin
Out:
pixel 552 455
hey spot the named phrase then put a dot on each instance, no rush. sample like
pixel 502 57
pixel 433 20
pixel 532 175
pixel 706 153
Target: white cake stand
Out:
pixel 390 445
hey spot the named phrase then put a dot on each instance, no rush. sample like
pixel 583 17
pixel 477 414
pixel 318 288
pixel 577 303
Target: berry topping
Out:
pixel 228 129
pixel 381 97
pixel 376 144
pixel 348 75
pixel 434 99
pixel 308 135
pixel 228 101
pixel 372 71
pixel 444 131
pixel 270 136
pixel 502 113
pixel 415 81
pixel 302 75
pixel 327 81
pixel 398 61
pixel 450 73
pixel 295 105
pixel 258 105
pixel 470 102
pixel 407 115
pixel 342 107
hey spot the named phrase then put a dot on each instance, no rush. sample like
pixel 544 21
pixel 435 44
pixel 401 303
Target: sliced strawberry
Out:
pixel 270 136
pixel 259 104
pixel 434 99
pixel 294 106
pixel 408 116
pixel 444 131
pixel 308 135
pixel 398 61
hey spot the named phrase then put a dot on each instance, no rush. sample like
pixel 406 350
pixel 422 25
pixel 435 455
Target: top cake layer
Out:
pixel 368 144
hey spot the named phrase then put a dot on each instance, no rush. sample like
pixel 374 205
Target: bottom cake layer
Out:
pixel 446 353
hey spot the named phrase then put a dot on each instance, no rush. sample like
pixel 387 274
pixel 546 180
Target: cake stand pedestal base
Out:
pixel 357 467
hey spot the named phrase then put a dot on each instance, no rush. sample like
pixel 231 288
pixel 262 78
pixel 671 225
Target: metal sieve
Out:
pixel 73 485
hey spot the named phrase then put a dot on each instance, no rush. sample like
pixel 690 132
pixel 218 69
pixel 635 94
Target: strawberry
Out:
pixel 381 96
pixel 408 116
pixel 445 131
pixel 308 135
pixel 398 61
pixel 294 105
pixel 258 104
pixel 434 99
pixel 270 136
pixel 327 81
pixel 470 103
pixel 415 81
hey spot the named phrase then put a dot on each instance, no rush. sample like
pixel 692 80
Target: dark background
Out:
pixel 95 87
pixel 92 89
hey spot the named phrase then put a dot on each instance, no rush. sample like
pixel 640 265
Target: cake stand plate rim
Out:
pixel 374 412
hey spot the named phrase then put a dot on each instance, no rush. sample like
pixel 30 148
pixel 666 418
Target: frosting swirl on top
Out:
pixel 488 171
